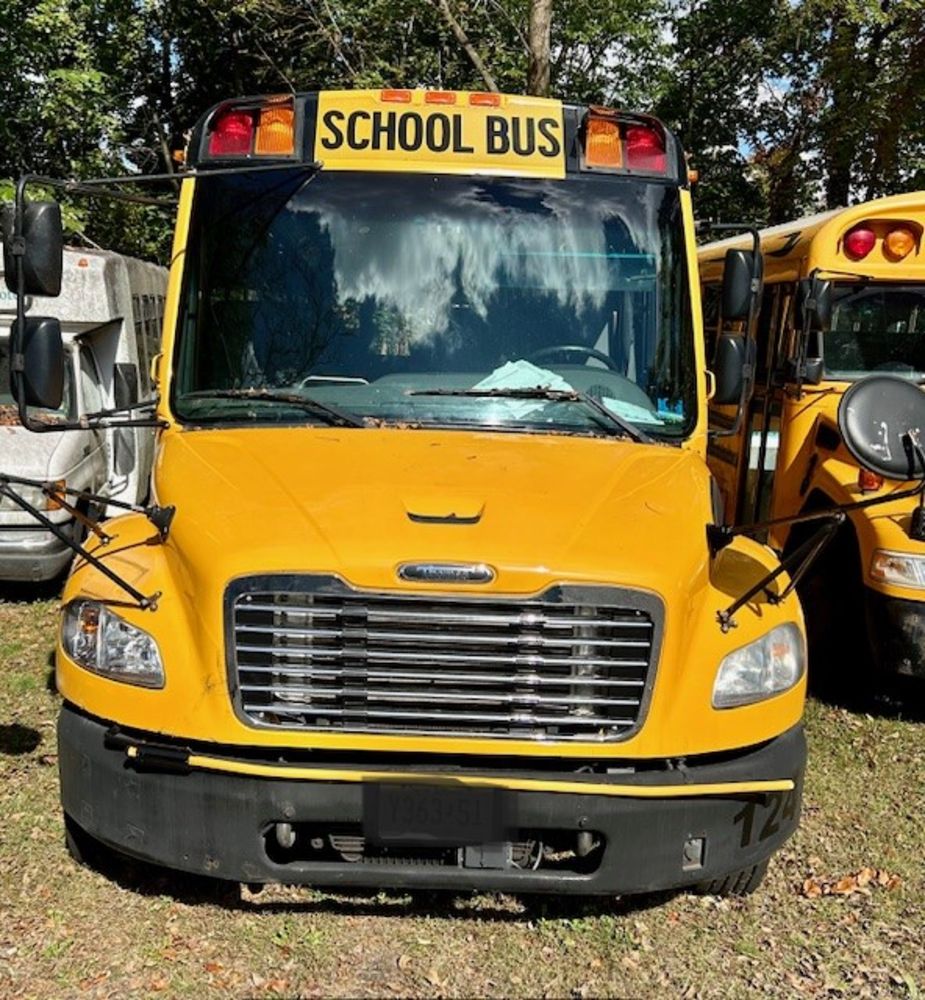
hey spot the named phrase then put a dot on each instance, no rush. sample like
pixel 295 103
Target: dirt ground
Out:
pixel 841 913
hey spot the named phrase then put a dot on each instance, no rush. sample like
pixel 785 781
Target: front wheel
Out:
pixel 740 883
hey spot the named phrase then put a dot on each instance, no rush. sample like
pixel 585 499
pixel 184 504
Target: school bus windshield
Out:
pixel 363 290
pixel 876 327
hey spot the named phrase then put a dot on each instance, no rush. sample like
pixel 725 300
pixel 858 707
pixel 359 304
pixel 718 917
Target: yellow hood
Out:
pixel 360 502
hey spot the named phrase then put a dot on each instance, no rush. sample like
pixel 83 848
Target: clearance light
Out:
pixel 232 134
pixel 395 96
pixel 859 242
pixel 275 131
pixel 602 143
pixel 645 149
pixel 899 242
pixel 439 97
pixel 868 481
pixel 484 100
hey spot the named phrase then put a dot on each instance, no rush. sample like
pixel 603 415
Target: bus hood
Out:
pixel 359 503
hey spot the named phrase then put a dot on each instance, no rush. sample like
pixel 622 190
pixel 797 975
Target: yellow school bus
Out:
pixel 436 607
pixel 867 591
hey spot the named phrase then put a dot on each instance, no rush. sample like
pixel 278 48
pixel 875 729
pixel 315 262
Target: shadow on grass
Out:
pixel 16 739
pixel 30 593
pixel 882 697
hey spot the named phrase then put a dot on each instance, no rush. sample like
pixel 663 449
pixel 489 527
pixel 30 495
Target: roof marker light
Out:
pixel 485 100
pixel 898 243
pixel 439 97
pixel 395 96
pixel 232 133
pixel 859 241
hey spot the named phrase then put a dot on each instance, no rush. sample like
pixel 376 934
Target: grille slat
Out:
pixel 333 659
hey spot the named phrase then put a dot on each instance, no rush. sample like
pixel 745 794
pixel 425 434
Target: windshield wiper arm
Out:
pixel 331 414
pixel 614 422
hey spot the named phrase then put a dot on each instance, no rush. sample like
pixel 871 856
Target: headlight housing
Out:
pixel 101 641
pixel 899 568
pixel 766 667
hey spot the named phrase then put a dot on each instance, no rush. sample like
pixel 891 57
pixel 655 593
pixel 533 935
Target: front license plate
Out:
pixel 434 815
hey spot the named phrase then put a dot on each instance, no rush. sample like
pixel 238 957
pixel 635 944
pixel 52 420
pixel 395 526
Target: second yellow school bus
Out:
pixel 868 589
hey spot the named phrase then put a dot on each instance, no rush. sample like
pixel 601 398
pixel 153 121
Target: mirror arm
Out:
pixel 801 558
pixel 144 602
pixel 160 517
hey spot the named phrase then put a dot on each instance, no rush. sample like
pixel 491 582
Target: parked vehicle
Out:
pixel 437 605
pixel 110 309
pixel 867 590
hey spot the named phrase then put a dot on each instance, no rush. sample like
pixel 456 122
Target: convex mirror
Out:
pixel 43 248
pixel 882 422
pixel 43 362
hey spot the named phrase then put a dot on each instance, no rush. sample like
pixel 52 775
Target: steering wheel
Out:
pixel 586 352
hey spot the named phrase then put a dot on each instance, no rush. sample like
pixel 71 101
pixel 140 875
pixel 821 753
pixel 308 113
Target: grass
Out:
pixel 67 931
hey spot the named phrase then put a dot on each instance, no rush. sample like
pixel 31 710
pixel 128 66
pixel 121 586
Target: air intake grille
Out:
pixel 571 665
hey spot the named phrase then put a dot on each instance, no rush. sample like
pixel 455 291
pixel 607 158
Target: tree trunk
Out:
pixel 538 40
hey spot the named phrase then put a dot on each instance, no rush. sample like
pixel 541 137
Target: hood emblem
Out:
pixel 426 572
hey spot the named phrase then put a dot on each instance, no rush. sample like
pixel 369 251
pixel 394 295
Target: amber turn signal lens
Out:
pixel 602 143
pixel 899 243
pixel 869 481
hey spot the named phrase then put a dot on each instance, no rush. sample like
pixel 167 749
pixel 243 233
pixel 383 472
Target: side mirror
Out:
pixel 882 422
pixel 814 304
pixel 732 367
pixel 43 248
pixel 813 369
pixel 43 362
pixel 741 279
pixel 125 386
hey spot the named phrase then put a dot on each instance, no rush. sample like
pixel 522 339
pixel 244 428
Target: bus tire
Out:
pixel 740 883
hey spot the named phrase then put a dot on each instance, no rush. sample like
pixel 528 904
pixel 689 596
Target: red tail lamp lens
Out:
pixel 645 149
pixel 859 242
pixel 232 134
pixel 869 481
pixel 898 243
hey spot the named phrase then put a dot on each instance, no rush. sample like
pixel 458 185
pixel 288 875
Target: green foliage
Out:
pixel 784 105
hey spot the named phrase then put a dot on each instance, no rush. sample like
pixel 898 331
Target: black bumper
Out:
pixel 897 633
pixel 216 824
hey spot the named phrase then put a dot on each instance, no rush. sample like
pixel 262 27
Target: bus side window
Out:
pixel 155 317
pixel 767 321
pixel 139 330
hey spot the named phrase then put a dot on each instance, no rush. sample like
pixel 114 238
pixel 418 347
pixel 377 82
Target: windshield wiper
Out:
pixel 610 420
pixel 328 413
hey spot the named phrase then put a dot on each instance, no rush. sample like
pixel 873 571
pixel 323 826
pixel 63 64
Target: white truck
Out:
pixel 111 308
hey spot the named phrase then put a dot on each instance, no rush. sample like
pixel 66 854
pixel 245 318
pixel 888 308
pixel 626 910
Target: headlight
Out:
pixel 101 641
pixel 899 568
pixel 35 496
pixel 765 667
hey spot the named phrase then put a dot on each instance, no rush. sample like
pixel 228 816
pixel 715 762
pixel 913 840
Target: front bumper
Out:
pixel 897 633
pixel 165 808
pixel 34 555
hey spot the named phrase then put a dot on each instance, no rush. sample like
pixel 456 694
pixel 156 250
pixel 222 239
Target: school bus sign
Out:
pixel 462 133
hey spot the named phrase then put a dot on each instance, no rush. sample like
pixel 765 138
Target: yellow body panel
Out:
pixel 793 251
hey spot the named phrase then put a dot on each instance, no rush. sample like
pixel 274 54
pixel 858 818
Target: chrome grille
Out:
pixel 572 664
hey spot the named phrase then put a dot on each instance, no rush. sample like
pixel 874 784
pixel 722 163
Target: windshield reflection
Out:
pixel 361 289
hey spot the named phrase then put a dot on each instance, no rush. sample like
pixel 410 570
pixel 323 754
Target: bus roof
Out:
pixel 814 242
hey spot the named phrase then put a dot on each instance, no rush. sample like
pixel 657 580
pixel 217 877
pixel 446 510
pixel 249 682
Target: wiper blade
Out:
pixel 331 414
pixel 610 419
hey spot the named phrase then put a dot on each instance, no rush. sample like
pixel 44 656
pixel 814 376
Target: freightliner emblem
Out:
pixel 446 572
